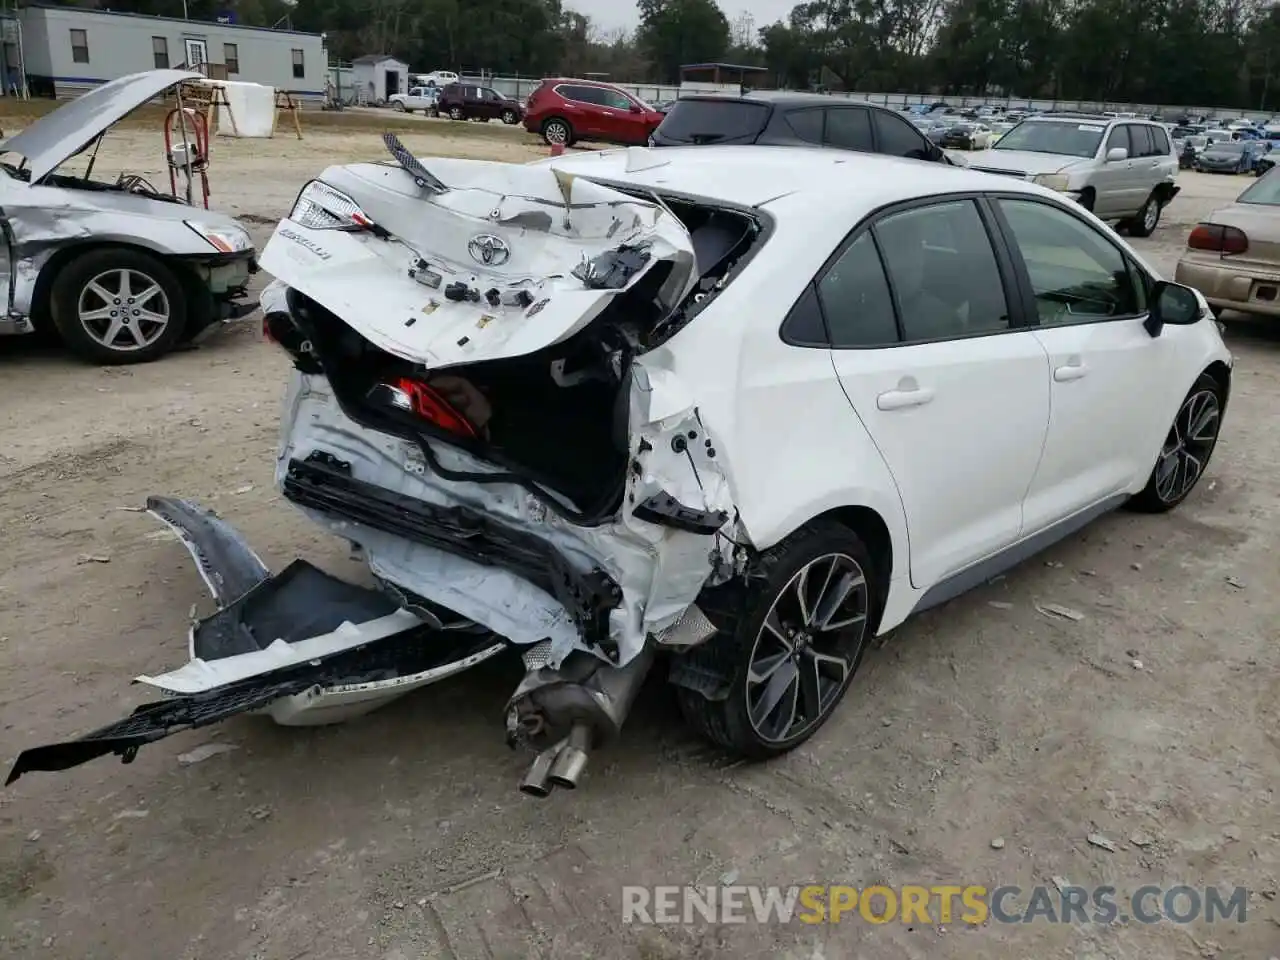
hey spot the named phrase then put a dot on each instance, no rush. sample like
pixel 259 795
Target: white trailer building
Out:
pixel 67 50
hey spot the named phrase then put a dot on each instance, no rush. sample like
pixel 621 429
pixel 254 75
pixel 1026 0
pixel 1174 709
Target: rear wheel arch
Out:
pixel 1222 374
pixel 872 529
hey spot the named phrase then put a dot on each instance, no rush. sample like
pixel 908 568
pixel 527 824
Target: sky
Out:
pixel 611 14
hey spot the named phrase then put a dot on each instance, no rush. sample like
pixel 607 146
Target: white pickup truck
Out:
pixel 418 98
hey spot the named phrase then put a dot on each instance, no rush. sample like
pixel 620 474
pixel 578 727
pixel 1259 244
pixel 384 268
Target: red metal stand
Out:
pixel 190 153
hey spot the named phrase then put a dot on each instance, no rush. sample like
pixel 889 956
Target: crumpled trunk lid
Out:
pixel 505 260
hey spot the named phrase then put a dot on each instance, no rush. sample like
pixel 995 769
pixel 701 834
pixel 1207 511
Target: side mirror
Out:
pixel 1116 154
pixel 1172 304
pixel 634 108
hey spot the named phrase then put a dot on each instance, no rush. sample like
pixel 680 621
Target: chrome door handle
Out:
pixel 901 399
pixel 1072 371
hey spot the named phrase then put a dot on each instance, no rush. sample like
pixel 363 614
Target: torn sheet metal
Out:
pixel 510 259
pixel 659 569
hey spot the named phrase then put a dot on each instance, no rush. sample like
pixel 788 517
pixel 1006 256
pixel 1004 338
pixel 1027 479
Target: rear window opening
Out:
pixel 555 421
pixel 703 121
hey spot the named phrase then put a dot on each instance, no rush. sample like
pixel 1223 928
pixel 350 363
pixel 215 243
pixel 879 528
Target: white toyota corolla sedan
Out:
pixel 744 406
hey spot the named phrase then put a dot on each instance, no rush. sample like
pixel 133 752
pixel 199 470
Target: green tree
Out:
pixel 676 32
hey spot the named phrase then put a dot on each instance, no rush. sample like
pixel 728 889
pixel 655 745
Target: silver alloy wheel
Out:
pixel 399 105
pixel 124 310
pixel 455 113
pixel 1186 450
pixel 807 647
pixel 1150 215
pixel 556 132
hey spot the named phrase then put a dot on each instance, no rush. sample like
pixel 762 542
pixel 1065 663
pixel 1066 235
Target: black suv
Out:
pixel 793 119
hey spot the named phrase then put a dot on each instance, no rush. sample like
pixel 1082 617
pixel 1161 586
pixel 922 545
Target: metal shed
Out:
pixel 377 76
pixel 67 50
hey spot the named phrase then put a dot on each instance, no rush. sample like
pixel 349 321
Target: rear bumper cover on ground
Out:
pixel 302 646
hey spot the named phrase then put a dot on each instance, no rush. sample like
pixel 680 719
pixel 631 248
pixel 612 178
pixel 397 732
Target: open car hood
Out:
pixel 59 135
pixel 474 260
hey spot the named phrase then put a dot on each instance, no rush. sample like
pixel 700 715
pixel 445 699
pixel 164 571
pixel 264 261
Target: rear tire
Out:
pixel 790 645
pixel 1187 449
pixel 457 113
pixel 1148 218
pixel 145 322
pixel 557 131
pixel 399 107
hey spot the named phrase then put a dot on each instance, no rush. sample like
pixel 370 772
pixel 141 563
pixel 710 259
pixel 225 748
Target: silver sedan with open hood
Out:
pixel 121 271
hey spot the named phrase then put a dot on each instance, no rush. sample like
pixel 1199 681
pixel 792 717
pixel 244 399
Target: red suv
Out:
pixel 563 110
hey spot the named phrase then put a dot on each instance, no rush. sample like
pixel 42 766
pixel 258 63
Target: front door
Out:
pixel 197 54
pixel 956 397
pixel 1112 384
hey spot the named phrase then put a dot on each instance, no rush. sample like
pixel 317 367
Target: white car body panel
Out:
pixel 197 676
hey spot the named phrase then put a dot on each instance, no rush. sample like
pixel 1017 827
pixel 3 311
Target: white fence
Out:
pixel 520 87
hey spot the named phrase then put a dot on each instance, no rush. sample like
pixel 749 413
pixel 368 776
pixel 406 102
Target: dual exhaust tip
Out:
pixel 561 765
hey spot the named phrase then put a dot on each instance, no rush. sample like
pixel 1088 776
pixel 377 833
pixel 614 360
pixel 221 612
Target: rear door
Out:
pixel 1147 156
pixel 582 109
pixel 1113 386
pixel 931 350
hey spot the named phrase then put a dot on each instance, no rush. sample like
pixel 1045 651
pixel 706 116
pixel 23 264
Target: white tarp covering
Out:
pixel 253 110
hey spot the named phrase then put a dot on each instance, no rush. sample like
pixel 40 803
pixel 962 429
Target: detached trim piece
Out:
pixel 665 510
pixel 324 483
pixel 409 655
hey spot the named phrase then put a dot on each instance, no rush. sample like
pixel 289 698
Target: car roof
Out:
pixel 812 178
pixel 552 81
pixel 785 98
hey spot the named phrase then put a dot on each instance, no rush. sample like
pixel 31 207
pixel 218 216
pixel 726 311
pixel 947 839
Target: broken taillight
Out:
pixel 1218 238
pixel 421 398
pixel 321 207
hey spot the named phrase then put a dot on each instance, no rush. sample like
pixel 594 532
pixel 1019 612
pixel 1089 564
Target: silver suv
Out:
pixel 1119 168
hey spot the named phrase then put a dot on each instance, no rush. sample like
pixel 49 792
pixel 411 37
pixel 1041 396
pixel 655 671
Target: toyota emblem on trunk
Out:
pixel 490 250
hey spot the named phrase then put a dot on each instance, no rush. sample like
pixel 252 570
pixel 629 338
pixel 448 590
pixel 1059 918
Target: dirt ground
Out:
pixel 402 835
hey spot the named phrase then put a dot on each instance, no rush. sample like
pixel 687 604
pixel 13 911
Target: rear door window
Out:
pixel 897 138
pixel 849 128
pixel 943 271
pixel 1140 140
pixel 1160 139
pixel 806 124
pixel 714 121
pixel 856 300
pixel 581 94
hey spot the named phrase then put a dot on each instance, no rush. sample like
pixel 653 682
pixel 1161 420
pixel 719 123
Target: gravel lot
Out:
pixel 403 836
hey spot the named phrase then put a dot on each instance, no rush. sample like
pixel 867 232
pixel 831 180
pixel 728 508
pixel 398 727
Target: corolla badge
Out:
pixel 490 250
